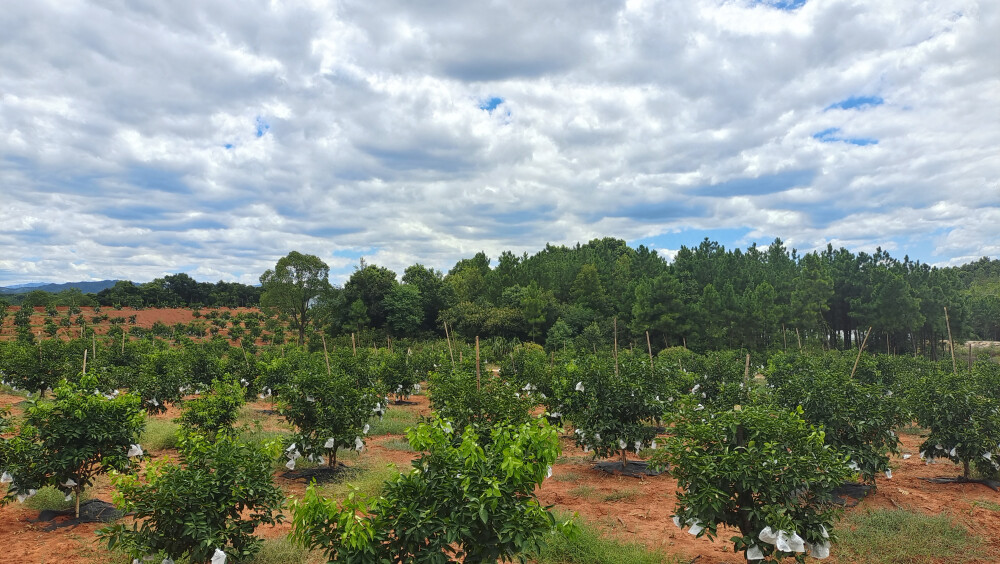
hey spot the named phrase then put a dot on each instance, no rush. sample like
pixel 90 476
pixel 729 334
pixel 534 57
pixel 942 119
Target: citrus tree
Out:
pixel 463 501
pixel 215 411
pixel 77 436
pixel 481 402
pixel 859 418
pixel 766 473
pixel 328 411
pixel 962 412
pixel 213 500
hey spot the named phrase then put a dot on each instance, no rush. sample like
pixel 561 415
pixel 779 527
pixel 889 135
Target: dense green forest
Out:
pixel 707 297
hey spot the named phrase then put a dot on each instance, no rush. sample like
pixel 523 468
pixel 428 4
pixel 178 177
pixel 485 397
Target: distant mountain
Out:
pixel 85 287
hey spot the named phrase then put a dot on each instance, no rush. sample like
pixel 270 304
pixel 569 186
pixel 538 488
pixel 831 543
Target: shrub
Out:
pixel 457 396
pixel 763 472
pixel 77 436
pixel 328 411
pixel 214 411
pixel 462 501
pixel 961 411
pixel 214 499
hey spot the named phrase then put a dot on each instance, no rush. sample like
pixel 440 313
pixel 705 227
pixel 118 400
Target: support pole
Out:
pixel 448 338
pixel 951 343
pixel 326 356
pixel 477 363
pixel 860 349
pixel 650 347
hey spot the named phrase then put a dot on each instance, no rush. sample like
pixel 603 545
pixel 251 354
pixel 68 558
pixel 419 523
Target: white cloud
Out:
pixel 214 138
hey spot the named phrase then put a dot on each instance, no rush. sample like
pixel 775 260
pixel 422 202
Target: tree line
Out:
pixel 706 298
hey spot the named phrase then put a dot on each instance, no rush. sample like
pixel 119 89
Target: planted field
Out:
pixel 288 405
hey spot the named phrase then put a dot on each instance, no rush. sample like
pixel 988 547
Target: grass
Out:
pixel 912 429
pixel 627 494
pixel 369 479
pixel 54 499
pixel 397 444
pixel 566 477
pixel 584 491
pixel 284 551
pixel 986 504
pixel 160 434
pixel 589 546
pixel 900 536
pixel 396 421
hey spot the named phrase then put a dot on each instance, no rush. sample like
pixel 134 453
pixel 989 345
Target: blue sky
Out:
pixel 214 138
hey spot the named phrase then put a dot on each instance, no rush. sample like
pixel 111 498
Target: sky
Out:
pixel 139 139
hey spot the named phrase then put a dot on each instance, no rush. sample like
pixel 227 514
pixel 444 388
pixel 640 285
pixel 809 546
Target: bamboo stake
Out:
pixel 84 361
pixel 94 344
pixel 784 337
pixel 685 339
pixel 650 347
pixel 123 340
pixel 354 346
pixel 616 345
pixel 799 338
pixel 451 352
pixel 746 370
pixel 477 363
pixel 861 348
pixel 326 356
pixel 951 343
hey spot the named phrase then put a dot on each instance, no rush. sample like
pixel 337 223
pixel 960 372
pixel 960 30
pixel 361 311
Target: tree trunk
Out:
pixel 77 492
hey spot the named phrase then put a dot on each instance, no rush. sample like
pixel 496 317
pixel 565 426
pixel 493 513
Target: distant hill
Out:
pixel 85 287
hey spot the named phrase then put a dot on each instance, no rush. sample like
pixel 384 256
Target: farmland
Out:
pixel 633 511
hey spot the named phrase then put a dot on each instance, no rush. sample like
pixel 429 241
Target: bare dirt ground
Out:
pixel 633 509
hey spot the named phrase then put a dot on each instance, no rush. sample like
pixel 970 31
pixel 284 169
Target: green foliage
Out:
pixel 215 411
pixel 160 380
pixel 490 401
pixel 614 409
pixel 751 469
pixel 295 281
pixel 859 419
pixel 963 414
pixel 462 501
pixel 328 411
pixel 77 436
pixel 214 499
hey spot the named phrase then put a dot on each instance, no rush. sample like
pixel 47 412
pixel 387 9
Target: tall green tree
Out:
pixel 295 281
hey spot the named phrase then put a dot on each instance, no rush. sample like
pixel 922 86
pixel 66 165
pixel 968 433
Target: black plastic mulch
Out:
pixel 633 469
pixel 963 480
pixel 91 511
pixel 850 494
pixel 323 474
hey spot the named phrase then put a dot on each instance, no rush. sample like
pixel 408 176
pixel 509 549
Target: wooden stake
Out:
pixel 951 343
pixel 861 348
pixel 354 345
pixel 451 352
pixel 746 370
pixel 650 347
pixel 477 363
pixel 886 343
pixel 784 337
pixel 970 355
pixel 123 340
pixel 799 337
pixel 84 361
pixel 685 340
pixel 94 344
pixel 246 358
pixel 326 356
pixel 616 345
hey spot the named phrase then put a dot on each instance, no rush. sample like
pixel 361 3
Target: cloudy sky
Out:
pixel 139 139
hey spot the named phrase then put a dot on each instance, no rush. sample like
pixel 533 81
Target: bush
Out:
pixel 456 396
pixel 461 501
pixel 961 411
pixel 76 437
pixel 859 418
pixel 215 499
pixel 215 411
pixel 329 411
pixel 758 471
